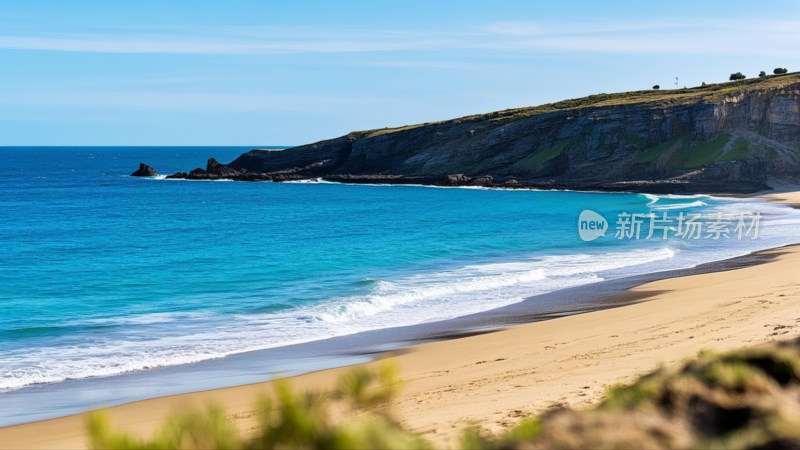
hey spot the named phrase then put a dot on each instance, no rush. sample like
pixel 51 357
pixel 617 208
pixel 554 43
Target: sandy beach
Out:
pixel 500 377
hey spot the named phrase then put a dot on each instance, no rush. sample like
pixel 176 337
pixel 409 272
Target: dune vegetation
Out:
pixel 749 398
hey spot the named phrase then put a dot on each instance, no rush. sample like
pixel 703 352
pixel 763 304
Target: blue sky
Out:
pixel 282 73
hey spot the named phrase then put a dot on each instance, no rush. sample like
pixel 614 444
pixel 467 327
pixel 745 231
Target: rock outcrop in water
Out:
pixel 144 171
pixel 214 170
pixel 728 137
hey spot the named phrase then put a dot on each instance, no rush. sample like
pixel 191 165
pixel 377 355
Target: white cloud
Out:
pixel 444 65
pixel 188 102
pixel 234 40
pixel 777 38
pixel 534 29
pixel 773 37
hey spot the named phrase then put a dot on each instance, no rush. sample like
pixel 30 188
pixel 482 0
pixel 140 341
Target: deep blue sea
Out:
pixel 102 273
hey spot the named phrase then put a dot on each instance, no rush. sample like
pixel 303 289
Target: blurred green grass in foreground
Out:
pixel 749 398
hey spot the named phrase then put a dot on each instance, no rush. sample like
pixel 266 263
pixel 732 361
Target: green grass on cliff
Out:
pixel 382 131
pixel 740 150
pixel 665 97
pixel 538 158
pixel 698 155
pixel 675 154
pixel 661 150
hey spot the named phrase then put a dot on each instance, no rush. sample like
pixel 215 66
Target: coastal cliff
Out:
pixel 728 137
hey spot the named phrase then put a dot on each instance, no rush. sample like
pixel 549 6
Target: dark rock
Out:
pixel 482 181
pixel 245 176
pixel 313 159
pixel 215 168
pixel 287 177
pixel 457 179
pixel 144 171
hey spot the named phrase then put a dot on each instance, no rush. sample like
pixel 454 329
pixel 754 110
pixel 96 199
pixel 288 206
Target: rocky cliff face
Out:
pixel 722 138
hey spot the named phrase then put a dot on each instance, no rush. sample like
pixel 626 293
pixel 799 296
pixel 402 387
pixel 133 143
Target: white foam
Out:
pixel 143 319
pixel 319 180
pixel 178 338
pixel 694 204
pixel 653 199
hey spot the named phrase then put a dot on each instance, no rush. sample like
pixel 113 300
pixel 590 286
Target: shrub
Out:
pixel 290 420
pixel 741 399
pixel 780 71
pixel 737 76
pixel 656 87
pixel 762 74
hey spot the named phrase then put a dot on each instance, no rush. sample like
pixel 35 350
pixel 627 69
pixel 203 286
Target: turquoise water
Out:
pixel 102 273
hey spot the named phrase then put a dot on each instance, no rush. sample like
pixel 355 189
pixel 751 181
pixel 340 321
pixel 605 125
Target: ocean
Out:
pixel 103 274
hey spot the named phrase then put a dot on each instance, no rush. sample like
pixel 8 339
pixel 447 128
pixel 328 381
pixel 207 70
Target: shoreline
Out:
pixel 420 361
pixel 632 187
pixel 47 401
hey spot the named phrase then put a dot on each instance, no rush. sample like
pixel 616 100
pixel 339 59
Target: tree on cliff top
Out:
pixel 780 71
pixel 737 76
